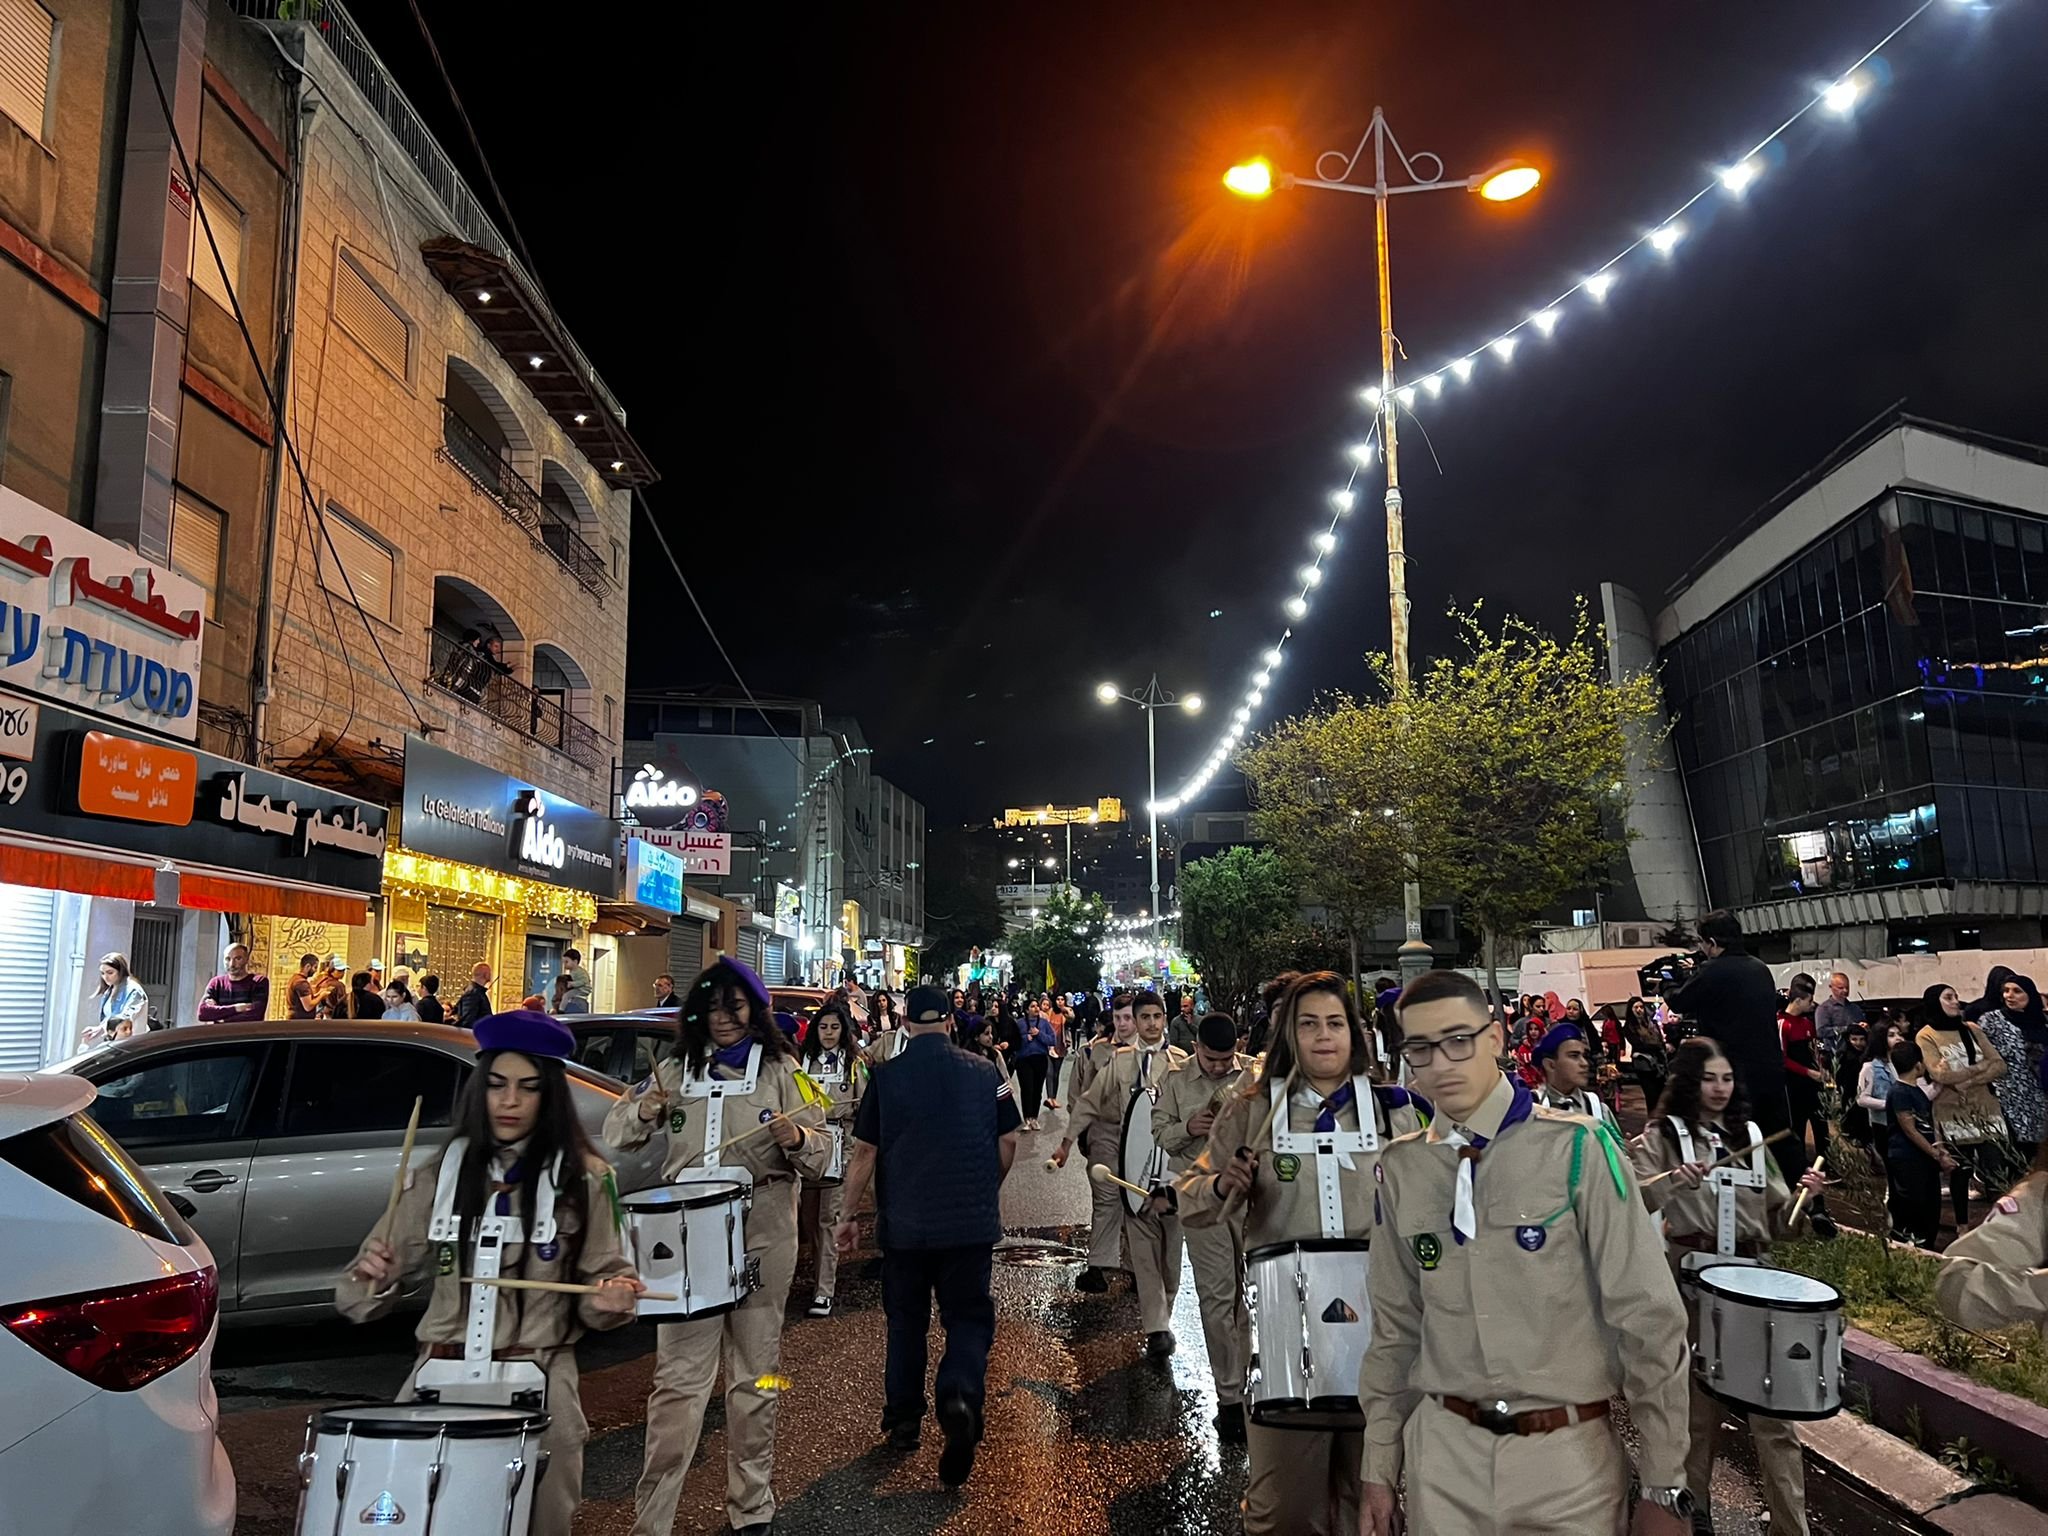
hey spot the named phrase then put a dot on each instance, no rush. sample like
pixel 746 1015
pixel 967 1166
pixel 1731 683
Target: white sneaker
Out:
pixel 821 1306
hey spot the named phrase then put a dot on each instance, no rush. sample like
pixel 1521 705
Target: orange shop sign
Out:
pixel 136 780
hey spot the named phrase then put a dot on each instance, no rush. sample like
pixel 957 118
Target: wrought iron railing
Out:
pixel 461 668
pixel 484 464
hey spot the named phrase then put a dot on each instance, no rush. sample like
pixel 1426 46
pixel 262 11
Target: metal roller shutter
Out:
pixel 685 951
pixel 750 948
pixel 776 953
pixel 27 915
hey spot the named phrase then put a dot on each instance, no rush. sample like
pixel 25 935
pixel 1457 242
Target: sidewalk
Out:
pixel 1914 1482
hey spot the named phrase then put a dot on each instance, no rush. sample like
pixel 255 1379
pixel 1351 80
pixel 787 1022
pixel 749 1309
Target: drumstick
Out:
pixel 1720 1162
pixel 824 1118
pixel 562 1287
pixel 1800 1204
pixel 1100 1174
pixel 412 1131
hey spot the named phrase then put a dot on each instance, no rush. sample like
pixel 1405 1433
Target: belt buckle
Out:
pixel 1494 1416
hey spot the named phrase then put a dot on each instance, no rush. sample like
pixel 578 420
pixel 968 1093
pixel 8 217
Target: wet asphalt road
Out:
pixel 1084 1436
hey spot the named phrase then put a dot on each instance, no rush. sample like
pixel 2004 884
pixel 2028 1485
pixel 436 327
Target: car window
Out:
pixel 82 1162
pixel 343 1086
pixel 594 1050
pixel 197 1095
pixel 647 1049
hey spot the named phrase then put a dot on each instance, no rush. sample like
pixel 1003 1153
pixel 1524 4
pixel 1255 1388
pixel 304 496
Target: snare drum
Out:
pixel 1310 1323
pixel 456 1469
pixel 691 1240
pixel 1769 1341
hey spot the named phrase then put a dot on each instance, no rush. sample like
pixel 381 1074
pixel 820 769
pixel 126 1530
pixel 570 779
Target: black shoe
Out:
pixel 1158 1345
pixel 1702 1523
pixel 904 1437
pixel 956 1418
pixel 1230 1424
pixel 1092 1280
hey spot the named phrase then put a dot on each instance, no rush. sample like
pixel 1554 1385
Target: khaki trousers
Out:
pixel 687 1356
pixel 1777 1454
pixel 561 1486
pixel 1213 1251
pixel 1154 1244
pixel 1570 1482
pixel 830 1198
pixel 1105 1215
pixel 1305 1482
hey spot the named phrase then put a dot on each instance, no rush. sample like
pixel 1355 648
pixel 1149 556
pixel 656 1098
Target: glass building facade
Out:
pixel 1875 713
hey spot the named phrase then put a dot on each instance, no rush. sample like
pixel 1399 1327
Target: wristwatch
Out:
pixel 1675 1500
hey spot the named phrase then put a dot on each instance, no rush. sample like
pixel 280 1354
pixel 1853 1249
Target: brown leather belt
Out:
pixel 1697 1242
pixel 1531 1421
pixel 454 1352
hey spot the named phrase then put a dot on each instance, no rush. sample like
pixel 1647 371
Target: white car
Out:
pixel 109 1306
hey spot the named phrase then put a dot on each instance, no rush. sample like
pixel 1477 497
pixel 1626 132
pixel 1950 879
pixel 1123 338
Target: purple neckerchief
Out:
pixel 1523 1106
pixel 828 1061
pixel 733 1056
pixel 1326 1117
pixel 512 1179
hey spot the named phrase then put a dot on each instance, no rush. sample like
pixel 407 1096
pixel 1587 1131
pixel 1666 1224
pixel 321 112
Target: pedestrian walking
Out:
pixel 122 1006
pixel 936 1135
pixel 475 1001
pixel 1061 1017
pixel 833 1061
pixel 577 991
pixel 428 1002
pixel 1034 1048
pixel 1182 1032
pixel 238 994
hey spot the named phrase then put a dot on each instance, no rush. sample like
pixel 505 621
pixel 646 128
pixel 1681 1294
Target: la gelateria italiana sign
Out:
pixel 94 625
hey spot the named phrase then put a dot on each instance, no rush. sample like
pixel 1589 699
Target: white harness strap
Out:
pixel 1332 1149
pixel 1724 1181
pixel 714 1091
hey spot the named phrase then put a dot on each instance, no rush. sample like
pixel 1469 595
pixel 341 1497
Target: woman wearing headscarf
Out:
pixel 1957 1055
pixel 2018 1030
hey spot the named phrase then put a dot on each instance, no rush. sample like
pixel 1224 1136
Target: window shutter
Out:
pixel 370 317
pixel 367 560
pixel 26 33
pixel 226 221
pixel 196 531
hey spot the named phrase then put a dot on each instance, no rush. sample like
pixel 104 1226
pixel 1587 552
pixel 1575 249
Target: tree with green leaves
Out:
pixel 1518 752
pixel 1066 939
pixel 1326 791
pixel 1234 906
pixel 960 916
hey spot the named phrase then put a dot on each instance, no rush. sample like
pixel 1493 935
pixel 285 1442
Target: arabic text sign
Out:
pixel 136 780
pixel 702 853
pixel 345 828
pixel 94 625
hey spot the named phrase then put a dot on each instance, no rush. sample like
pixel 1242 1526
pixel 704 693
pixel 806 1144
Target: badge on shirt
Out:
pixel 1429 1251
pixel 548 1252
pixel 676 1119
pixel 767 1115
pixel 1531 1238
pixel 2008 1206
pixel 1286 1167
pixel 446 1266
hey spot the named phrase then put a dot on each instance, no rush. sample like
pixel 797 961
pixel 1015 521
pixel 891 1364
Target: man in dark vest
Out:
pixel 936 1132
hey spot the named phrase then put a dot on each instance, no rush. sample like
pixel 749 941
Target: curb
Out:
pixel 1896 1382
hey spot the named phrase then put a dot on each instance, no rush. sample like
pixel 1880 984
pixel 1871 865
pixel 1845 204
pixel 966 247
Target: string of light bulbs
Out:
pixel 1838 96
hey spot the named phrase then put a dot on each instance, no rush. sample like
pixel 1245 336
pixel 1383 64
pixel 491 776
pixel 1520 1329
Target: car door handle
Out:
pixel 207 1180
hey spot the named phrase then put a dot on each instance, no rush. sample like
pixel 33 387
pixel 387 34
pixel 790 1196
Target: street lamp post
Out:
pixel 1153 699
pixel 1503 183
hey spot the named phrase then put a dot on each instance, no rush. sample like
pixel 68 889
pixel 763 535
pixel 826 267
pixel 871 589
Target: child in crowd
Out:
pixel 1915 1161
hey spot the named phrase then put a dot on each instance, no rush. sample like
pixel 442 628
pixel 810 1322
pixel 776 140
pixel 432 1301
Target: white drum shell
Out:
pixel 372 1481
pixel 835 1170
pixel 1779 1357
pixel 691 1240
pixel 1311 1319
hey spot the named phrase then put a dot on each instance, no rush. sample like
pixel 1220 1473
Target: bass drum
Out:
pixel 1138 1157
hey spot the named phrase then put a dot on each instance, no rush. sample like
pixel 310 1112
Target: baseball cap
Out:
pixel 927 1005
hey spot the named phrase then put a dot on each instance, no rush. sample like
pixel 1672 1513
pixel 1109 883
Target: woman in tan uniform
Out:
pixel 835 1064
pixel 1302 1482
pixel 1700 1118
pixel 726 1038
pixel 519 1151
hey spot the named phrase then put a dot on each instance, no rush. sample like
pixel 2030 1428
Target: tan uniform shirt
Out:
pixel 1284 1203
pixel 1087 1061
pixel 844 1084
pixel 886 1044
pixel 1187 1093
pixel 684 1120
pixel 1505 1316
pixel 1992 1276
pixel 1108 1094
pixel 1696 1213
pixel 527 1320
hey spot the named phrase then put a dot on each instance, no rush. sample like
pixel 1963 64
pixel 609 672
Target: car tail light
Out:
pixel 124 1338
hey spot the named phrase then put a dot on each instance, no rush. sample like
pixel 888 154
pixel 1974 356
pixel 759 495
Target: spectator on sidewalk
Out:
pixel 576 991
pixel 1836 1015
pixel 475 1002
pixel 302 997
pixel 1804 1075
pixel 2016 1029
pixel 428 1003
pixel 238 994
pixel 1915 1159
pixel 1733 998
pixel 121 1006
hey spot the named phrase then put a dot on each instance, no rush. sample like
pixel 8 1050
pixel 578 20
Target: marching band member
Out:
pixel 1106 1209
pixel 1566 1062
pixel 1301 1481
pixel 1996 1274
pixel 1733 1212
pixel 834 1062
pixel 1181 1122
pixel 726 1034
pixel 518 1147
pixel 1152 1237
pixel 1516 1288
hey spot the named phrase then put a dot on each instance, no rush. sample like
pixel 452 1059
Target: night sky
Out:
pixel 971 387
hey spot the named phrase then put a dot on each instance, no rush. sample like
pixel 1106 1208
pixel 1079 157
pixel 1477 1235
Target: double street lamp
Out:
pixel 1334 169
pixel 1033 864
pixel 1152 700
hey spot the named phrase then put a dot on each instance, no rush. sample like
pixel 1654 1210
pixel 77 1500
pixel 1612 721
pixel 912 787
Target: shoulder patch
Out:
pixel 2008 1206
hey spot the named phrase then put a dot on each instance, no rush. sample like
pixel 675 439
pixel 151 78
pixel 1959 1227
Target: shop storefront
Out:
pixel 494 871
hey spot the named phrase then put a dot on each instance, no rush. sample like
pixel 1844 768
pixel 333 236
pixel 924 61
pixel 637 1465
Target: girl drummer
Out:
pixel 832 1058
pixel 521 1146
pixel 726 1032
pixel 1700 1118
pixel 1302 1481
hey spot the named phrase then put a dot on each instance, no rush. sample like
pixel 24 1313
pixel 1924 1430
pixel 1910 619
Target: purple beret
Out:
pixel 787 1023
pixel 741 975
pixel 1554 1037
pixel 527 1032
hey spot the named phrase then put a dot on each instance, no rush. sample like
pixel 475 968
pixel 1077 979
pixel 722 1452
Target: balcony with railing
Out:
pixel 462 667
pixel 484 465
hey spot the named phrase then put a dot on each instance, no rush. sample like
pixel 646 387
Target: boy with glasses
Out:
pixel 1489 1376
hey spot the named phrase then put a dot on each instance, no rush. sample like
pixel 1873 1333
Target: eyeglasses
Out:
pixel 1460 1047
